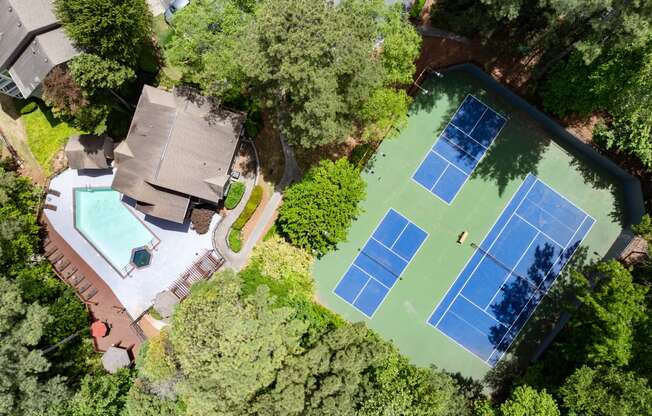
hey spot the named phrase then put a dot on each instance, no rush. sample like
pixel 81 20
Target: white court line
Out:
pixel 390 250
pixel 493 318
pixel 365 272
pixel 567 200
pixel 398 238
pixel 545 293
pixel 462 131
pixel 473 255
pixel 486 251
pixel 539 230
pixel 511 271
pixel 482 360
pixel 554 216
pixel 486 108
pixel 390 209
pixel 463 151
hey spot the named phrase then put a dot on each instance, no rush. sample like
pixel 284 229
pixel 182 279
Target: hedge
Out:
pixel 236 191
pixel 30 107
pixel 250 208
pixel 235 240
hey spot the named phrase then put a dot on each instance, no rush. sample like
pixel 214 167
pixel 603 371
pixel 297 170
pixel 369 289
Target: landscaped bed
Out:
pixel 235 237
pixel 233 198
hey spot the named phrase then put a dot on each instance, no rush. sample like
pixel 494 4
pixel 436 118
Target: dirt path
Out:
pixel 12 129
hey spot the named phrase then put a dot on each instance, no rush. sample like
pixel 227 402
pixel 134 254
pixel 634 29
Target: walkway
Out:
pixel 291 173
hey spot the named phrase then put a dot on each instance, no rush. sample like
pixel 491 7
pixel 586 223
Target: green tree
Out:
pixel 115 30
pixel 387 108
pixel 526 401
pixel 143 402
pixel 205 43
pixel 317 212
pixel 102 394
pixel 280 260
pixel 157 361
pixel 93 73
pixel 401 46
pixel 396 387
pixel 606 392
pixel 229 348
pixel 311 61
pixel 23 388
pixel 603 327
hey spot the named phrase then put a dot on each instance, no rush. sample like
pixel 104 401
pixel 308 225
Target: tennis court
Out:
pixel 526 205
pixel 380 263
pixel 511 270
pixel 459 149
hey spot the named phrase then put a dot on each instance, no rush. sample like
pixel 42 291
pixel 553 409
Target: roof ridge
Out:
pixel 167 143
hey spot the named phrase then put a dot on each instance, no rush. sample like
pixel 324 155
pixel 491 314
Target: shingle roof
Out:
pixel 44 53
pixel 20 21
pixel 177 147
pixel 89 152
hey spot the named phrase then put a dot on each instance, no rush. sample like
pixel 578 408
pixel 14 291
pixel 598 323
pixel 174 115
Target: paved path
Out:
pixel 236 261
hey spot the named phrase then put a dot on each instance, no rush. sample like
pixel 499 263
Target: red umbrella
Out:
pixel 98 329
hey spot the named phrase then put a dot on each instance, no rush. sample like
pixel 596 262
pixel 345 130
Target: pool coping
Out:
pixel 156 240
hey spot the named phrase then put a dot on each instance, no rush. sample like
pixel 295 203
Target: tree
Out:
pixel 102 394
pixel 93 73
pixel 401 46
pixel 205 44
pixel 158 364
pixel 312 62
pixel 398 388
pixel 142 402
pixel 280 260
pixel 603 327
pixel 387 108
pixel 606 392
pixel 230 348
pixel 115 30
pixel 317 212
pixel 23 388
pixel 525 401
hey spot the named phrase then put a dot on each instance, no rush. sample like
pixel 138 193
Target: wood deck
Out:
pixel 94 292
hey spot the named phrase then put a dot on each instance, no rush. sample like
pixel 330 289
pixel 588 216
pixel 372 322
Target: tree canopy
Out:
pixel 317 212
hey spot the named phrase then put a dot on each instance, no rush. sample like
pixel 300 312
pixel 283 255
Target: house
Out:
pixel 88 151
pixel 178 153
pixel 32 43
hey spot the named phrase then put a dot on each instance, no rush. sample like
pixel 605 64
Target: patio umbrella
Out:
pixel 99 329
pixel 115 358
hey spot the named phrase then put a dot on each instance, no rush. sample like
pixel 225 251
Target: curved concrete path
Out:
pixel 291 173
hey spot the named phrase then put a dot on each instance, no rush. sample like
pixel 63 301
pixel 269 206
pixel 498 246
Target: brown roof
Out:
pixel 177 148
pixel 89 152
pixel 165 302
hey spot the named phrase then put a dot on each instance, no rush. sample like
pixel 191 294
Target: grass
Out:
pixel 235 240
pixel 46 134
pixel 233 198
pixel 170 75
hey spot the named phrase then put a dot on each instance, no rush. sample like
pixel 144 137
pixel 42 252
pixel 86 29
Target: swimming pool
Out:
pixel 104 220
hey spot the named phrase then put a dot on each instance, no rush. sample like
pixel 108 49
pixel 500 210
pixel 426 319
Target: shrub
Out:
pixel 235 240
pixel 201 219
pixel 317 212
pixel 30 107
pixel 415 12
pixel 234 196
pixel 250 208
pixel 280 260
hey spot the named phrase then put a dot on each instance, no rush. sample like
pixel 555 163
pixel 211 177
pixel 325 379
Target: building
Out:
pixel 32 42
pixel 178 153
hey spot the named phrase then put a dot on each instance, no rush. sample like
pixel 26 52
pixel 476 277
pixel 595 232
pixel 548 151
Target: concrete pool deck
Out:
pixel 180 246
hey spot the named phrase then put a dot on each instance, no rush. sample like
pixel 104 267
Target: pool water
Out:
pixel 106 222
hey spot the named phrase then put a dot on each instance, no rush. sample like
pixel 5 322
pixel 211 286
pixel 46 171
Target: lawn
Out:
pixel 523 147
pixel 169 74
pixel 46 135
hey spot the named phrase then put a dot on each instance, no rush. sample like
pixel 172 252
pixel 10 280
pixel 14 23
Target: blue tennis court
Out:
pixel 511 270
pixel 380 263
pixel 459 149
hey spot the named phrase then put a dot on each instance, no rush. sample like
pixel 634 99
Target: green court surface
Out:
pixel 522 147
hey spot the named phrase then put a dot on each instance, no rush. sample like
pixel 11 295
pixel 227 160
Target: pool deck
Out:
pixel 180 246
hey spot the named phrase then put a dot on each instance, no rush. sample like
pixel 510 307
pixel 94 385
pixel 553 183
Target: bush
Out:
pixel 30 107
pixel 234 196
pixel 415 12
pixel 250 208
pixel 235 240
pixel 317 212
pixel 201 219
